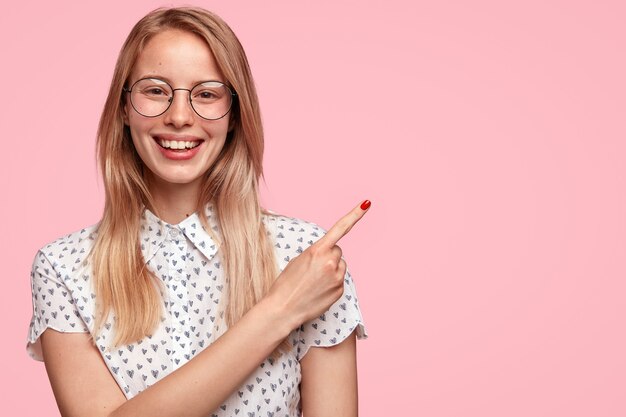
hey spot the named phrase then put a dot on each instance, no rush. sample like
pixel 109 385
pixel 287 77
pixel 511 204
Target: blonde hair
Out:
pixel 122 283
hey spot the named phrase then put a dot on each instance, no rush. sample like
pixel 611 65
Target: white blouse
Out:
pixel 187 260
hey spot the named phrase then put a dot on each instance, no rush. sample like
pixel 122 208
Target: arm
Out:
pixel 329 380
pixel 195 389
pixel 308 285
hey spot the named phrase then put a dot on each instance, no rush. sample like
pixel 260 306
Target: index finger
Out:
pixel 343 226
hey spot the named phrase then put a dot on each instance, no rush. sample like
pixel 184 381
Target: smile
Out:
pixel 174 143
pixel 178 147
pixel 178 144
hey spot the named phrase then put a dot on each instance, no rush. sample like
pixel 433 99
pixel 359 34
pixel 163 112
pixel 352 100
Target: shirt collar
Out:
pixel 155 231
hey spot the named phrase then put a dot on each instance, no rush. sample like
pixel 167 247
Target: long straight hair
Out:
pixel 122 283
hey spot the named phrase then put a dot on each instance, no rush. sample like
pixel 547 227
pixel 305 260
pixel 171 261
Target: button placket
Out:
pixel 175 262
pixel 179 294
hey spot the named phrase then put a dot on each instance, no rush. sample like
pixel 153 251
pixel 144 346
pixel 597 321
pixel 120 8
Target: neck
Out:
pixel 174 202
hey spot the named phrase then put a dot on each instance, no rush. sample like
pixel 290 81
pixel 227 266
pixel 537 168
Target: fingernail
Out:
pixel 365 205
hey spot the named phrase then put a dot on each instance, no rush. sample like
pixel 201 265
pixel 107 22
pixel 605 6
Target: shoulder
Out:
pixel 291 235
pixel 280 226
pixel 68 250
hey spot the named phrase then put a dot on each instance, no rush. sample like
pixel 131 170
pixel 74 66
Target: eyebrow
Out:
pixel 169 81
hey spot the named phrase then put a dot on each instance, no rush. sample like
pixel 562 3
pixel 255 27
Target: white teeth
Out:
pixel 178 144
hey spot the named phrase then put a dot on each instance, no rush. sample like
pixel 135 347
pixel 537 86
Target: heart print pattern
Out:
pixel 187 261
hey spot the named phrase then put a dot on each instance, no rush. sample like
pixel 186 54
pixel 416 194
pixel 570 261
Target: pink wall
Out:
pixel 489 136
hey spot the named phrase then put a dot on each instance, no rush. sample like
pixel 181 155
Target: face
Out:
pixel 183 60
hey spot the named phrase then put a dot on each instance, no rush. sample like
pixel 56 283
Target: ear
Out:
pixel 125 107
pixel 125 113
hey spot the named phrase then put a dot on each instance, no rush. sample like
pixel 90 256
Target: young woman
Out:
pixel 187 298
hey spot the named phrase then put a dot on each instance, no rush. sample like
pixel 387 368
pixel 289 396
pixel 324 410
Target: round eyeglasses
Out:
pixel 151 97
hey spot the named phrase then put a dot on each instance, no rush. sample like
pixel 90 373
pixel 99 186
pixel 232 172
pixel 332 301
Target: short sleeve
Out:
pixel 336 324
pixel 53 305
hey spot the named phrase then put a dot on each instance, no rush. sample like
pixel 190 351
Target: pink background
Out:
pixel 489 136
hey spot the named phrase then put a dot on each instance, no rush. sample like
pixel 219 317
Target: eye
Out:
pixel 206 95
pixel 208 92
pixel 153 88
pixel 154 91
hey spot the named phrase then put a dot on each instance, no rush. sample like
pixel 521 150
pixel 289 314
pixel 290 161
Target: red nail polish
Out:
pixel 365 205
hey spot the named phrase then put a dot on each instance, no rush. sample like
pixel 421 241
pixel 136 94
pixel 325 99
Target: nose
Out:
pixel 180 113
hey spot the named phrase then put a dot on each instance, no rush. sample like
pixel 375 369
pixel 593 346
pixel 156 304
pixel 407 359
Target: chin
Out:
pixel 169 178
pixel 182 180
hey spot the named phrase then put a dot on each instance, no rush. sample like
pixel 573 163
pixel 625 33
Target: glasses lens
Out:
pixel 211 100
pixel 151 97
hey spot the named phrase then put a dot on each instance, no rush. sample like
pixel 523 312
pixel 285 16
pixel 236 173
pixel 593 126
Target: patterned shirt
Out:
pixel 187 260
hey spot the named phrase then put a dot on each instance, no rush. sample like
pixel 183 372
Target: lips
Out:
pixel 177 142
pixel 178 147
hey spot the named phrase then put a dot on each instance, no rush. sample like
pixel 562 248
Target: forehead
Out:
pixel 179 57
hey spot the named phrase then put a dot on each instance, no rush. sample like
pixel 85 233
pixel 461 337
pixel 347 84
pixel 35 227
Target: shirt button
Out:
pixel 177 277
pixel 179 330
pixel 173 232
